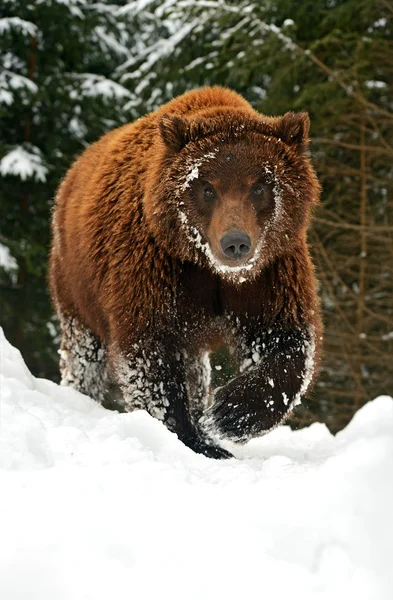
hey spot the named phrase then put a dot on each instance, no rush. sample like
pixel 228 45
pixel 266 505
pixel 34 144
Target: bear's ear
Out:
pixel 293 129
pixel 174 131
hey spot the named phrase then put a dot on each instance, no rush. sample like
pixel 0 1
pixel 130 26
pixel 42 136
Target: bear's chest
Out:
pixel 204 292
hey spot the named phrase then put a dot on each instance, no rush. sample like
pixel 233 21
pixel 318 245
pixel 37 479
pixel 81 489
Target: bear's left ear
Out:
pixel 173 132
pixel 293 129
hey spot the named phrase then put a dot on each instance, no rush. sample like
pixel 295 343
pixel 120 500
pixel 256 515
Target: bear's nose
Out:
pixel 235 245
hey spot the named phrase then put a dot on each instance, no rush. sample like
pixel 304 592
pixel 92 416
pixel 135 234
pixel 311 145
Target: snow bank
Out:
pixel 98 505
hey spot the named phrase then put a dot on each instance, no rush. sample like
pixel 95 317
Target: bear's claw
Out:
pixel 206 447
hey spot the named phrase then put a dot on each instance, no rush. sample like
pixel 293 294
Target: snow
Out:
pixel 77 128
pixel 108 41
pixel 192 170
pixel 71 5
pixel 379 23
pixel 387 336
pixel 24 27
pixel 97 85
pixel 7 261
pixel 24 163
pixel 6 97
pixel 160 49
pixel 96 504
pixel 12 81
pixel 135 7
pixel 371 85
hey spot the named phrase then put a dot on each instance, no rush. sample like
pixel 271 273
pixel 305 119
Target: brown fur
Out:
pixel 137 262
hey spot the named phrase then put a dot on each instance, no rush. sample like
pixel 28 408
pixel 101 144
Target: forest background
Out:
pixel 73 69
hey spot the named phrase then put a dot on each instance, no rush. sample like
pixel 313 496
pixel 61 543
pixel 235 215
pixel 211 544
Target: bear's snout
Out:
pixel 236 245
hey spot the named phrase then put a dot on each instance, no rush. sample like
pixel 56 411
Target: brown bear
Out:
pixel 186 227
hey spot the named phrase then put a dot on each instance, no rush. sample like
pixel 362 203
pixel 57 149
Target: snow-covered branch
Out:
pixel 24 162
pixel 24 27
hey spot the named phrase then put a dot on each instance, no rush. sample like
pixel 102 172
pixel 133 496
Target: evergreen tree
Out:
pixel 56 96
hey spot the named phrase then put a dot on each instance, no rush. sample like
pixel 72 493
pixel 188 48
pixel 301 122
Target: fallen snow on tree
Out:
pixel 97 505
pixel 91 85
pixel 7 261
pixel 24 163
pixel 24 27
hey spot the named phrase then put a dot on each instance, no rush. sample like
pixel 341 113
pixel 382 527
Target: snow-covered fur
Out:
pixel 83 363
pixel 143 282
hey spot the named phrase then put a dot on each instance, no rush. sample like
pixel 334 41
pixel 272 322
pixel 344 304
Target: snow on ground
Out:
pixel 97 505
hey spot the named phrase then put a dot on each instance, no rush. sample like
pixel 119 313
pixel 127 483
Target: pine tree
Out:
pixel 56 96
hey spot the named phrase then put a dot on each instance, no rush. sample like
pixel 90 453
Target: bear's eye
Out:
pixel 209 192
pixel 257 191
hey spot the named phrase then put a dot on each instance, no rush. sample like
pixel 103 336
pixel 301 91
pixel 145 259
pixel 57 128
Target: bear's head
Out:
pixel 231 190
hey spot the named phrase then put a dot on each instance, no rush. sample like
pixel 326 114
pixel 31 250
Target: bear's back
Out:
pixel 203 99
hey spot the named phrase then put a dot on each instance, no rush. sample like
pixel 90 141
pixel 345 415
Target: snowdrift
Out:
pixel 98 505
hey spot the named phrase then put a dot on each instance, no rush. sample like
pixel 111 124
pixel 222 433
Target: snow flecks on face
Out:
pixel 272 176
pixel 278 201
pixel 193 174
pixel 83 360
pixel 192 169
pixel 140 389
pixel 183 218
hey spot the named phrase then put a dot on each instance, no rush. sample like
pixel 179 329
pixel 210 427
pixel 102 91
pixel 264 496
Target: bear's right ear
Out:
pixel 173 131
pixel 293 129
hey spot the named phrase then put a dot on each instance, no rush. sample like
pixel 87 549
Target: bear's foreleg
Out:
pixel 278 368
pixel 83 359
pixel 153 377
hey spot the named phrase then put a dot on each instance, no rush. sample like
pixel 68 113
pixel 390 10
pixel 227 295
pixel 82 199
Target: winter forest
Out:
pixel 98 504
pixel 73 70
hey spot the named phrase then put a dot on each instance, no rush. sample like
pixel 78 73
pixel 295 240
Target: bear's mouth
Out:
pixel 226 265
pixel 239 266
pixel 233 254
pixel 236 270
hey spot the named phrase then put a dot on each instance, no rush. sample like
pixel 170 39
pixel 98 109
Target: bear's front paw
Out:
pixel 240 414
pixel 230 421
pixel 205 446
